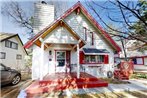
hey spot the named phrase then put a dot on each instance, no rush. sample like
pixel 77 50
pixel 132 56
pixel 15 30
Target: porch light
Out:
pixel 50 52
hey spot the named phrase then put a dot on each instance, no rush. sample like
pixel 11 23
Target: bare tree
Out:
pixel 21 17
pixel 122 13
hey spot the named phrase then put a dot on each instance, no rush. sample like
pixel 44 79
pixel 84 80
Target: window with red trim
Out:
pixel 93 59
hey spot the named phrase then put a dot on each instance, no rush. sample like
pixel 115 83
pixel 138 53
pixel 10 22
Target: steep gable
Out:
pixel 53 32
pixel 94 27
pixel 10 36
pixel 79 8
pixel 60 35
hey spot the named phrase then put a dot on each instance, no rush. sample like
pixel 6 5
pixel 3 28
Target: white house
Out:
pixel 11 51
pixel 72 43
pixel 134 52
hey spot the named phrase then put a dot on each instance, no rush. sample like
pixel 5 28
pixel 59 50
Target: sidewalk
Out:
pixel 133 86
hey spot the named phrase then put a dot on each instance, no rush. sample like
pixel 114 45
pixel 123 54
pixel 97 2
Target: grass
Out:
pixel 139 75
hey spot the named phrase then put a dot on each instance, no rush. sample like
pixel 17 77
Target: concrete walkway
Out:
pixel 133 86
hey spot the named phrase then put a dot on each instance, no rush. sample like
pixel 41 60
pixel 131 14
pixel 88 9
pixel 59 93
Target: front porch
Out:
pixel 63 81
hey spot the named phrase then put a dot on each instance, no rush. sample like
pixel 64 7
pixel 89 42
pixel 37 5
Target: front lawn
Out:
pixel 138 75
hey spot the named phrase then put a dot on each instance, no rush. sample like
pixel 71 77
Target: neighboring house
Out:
pixel 137 51
pixel 72 43
pixel 11 51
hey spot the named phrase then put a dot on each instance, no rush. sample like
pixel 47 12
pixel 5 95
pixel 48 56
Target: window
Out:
pixel 138 61
pixel 14 46
pixel 11 44
pixel 92 38
pixel 60 56
pixel 18 56
pixel 94 58
pixel 7 43
pixel 2 55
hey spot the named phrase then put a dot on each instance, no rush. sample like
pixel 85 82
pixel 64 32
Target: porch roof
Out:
pixel 61 23
pixel 94 51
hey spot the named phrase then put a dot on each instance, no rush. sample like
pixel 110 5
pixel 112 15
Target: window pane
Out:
pixel 100 59
pixel 87 59
pixel 2 55
pixel 14 46
pixel 61 55
pixel 93 59
pixel 18 56
pixel 7 43
pixel 139 60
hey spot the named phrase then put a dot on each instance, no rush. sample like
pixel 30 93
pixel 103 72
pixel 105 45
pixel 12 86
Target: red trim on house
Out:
pixel 81 57
pixel 106 59
pixel 143 60
pixel 93 21
pixel 82 61
pixel 31 41
pixel 68 61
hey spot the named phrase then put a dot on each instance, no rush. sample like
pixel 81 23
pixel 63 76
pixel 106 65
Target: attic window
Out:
pixel 11 44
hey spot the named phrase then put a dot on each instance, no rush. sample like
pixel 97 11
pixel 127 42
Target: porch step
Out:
pixel 72 80
pixel 63 81
pixel 59 87
pixel 76 84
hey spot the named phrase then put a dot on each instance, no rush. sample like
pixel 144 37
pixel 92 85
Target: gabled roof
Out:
pixel 6 36
pixel 45 32
pixel 90 18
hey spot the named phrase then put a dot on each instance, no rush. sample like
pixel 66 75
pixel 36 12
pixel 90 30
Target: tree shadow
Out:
pixel 137 94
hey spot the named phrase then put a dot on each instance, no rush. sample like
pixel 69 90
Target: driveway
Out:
pixel 9 91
